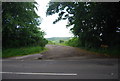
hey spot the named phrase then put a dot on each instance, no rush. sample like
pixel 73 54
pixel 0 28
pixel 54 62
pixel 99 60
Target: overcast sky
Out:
pixel 52 30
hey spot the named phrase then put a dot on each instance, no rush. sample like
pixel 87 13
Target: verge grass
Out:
pixel 10 52
pixel 109 52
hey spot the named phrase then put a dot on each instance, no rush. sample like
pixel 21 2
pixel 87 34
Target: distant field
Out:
pixel 57 39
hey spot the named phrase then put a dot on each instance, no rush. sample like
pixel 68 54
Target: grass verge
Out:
pixel 112 53
pixel 106 52
pixel 10 52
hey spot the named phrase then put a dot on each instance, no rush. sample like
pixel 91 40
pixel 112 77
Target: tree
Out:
pixel 61 41
pixel 94 23
pixel 19 25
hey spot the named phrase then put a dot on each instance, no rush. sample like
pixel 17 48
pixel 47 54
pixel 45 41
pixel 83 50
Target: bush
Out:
pixel 73 42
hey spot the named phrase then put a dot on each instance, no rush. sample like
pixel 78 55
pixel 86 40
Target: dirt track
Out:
pixel 67 52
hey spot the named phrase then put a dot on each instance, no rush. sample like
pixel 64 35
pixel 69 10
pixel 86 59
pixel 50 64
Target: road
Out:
pixel 71 67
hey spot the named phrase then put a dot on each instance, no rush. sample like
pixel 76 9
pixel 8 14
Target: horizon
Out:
pixel 58 37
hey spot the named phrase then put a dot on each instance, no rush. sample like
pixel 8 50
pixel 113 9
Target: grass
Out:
pixel 55 43
pixel 106 52
pixel 22 51
pixel 63 44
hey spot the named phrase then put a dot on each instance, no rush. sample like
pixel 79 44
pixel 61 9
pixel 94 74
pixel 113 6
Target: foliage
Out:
pixel 57 39
pixel 93 23
pixel 51 42
pixel 61 41
pixel 19 25
pixel 73 42
pixel 22 51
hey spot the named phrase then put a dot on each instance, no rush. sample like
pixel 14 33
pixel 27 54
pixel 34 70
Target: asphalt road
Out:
pixel 60 69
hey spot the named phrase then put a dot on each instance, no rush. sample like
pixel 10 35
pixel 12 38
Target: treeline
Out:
pixel 93 24
pixel 19 25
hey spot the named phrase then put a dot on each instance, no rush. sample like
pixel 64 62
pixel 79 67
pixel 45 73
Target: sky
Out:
pixel 52 30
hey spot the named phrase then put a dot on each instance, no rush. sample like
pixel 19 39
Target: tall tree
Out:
pixel 19 25
pixel 94 23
